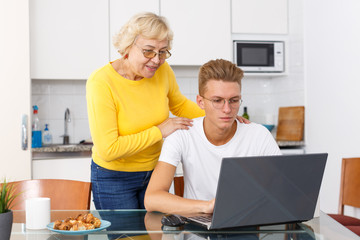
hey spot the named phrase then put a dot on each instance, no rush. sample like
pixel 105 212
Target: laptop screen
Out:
pixel 267 189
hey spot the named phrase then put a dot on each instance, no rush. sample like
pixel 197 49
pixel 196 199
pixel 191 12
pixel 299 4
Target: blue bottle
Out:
pixel 36 141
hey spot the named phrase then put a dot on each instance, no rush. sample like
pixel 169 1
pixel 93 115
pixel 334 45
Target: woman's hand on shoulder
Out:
pixel 170 125
pixel 242 120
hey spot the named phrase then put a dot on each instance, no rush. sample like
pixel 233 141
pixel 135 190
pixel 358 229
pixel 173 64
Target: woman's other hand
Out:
pixel 170 125
pixel 242 120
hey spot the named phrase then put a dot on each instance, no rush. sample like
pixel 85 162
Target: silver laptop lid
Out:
pixel 267 189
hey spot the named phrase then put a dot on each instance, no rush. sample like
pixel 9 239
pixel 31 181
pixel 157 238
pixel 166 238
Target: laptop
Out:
pixel 265 190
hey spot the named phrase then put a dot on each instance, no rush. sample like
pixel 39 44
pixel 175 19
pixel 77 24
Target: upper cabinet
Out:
pixel 121 11
pixel 260 16
pixel 68 39
pixel 198 35
pixel 201 30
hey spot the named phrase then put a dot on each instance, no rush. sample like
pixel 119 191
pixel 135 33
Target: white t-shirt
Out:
pixel 201 159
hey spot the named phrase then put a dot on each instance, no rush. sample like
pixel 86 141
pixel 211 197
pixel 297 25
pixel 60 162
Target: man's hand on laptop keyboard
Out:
pixel 209 206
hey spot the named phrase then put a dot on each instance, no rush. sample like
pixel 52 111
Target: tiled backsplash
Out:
pixel 262 95
pixel 53 97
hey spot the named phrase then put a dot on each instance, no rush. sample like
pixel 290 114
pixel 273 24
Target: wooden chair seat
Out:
pixel 349 193
pixel 345 220
pixel 64 194
pixel 354 229
pixel 179 186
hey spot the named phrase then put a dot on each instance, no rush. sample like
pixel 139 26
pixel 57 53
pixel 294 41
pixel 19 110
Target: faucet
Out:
pixel 67 119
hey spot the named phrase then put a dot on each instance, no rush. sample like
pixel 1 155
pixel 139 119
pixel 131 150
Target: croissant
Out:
pixel 65 226
pixel 68 219
pixel 78 226
pixel 79 217
pixel 89 226
pixel 81 222
pixel 57 223
pixel 72 222
pixel 97 223
pixel 89 218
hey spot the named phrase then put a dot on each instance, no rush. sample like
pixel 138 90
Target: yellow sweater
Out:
pixel 123 115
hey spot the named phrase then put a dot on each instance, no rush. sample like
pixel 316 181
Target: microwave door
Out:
pixel 258 56
pixel 255 55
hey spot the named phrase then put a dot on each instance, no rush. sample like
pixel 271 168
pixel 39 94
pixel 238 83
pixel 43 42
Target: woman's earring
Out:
pixel 126 56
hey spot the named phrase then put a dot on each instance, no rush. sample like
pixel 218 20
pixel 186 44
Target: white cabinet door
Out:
pixel 121 11
pixel 260 16
pixel 65 168
pixel 15 164
pixel 69 39
pixel 78 169
pixel 201 30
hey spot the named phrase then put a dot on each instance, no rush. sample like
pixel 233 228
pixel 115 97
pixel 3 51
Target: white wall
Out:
pixel 332 79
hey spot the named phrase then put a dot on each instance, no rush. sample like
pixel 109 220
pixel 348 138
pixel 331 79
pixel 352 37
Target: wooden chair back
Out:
pixel 63 194
pixel 350 184
pixel 179 186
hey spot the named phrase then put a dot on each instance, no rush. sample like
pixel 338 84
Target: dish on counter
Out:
pixel 104 224
pixel 269 126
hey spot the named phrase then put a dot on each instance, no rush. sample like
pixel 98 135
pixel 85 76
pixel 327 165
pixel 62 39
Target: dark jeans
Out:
pixel 118 190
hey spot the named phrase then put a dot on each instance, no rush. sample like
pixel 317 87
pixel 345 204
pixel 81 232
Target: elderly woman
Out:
pixel 128 103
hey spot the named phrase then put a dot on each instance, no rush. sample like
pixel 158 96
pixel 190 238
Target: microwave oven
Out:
pixel 260 56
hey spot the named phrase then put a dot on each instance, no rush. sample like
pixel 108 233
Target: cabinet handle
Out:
pixel 24 132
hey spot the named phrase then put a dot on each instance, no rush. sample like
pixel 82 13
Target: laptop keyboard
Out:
pixel 202 219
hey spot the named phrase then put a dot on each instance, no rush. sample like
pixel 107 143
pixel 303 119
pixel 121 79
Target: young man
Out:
pixel 201 148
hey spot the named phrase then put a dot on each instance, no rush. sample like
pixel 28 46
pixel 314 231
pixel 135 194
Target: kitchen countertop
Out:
pixel 63 148
pixel 290 143
pixel 56 151
pixel 87 147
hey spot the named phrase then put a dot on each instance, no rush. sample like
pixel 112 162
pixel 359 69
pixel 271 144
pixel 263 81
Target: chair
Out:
pixel 179 186
pixel 64 194
pixel 349 193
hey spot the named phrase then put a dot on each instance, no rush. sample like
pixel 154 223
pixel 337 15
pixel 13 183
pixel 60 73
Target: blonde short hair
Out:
pixel 148 25
pixel 221 70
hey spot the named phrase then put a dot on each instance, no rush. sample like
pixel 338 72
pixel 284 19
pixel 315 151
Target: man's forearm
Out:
pixel 168 203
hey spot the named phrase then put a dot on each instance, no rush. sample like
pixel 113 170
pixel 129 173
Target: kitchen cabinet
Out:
pixel 69 43
pixel 62 168
pixel 69 39
pixel 198 35
pixel 201 30
pixel 121 11
pixel 259 16
pixel 15 89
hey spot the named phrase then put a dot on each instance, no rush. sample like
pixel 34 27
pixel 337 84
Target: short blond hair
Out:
pixel 148 25
pixel 221 70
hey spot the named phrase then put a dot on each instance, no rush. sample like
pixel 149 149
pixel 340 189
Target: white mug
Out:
pixel 37 213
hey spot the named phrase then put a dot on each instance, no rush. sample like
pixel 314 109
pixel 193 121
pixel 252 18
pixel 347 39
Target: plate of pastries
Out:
pixel 79 225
